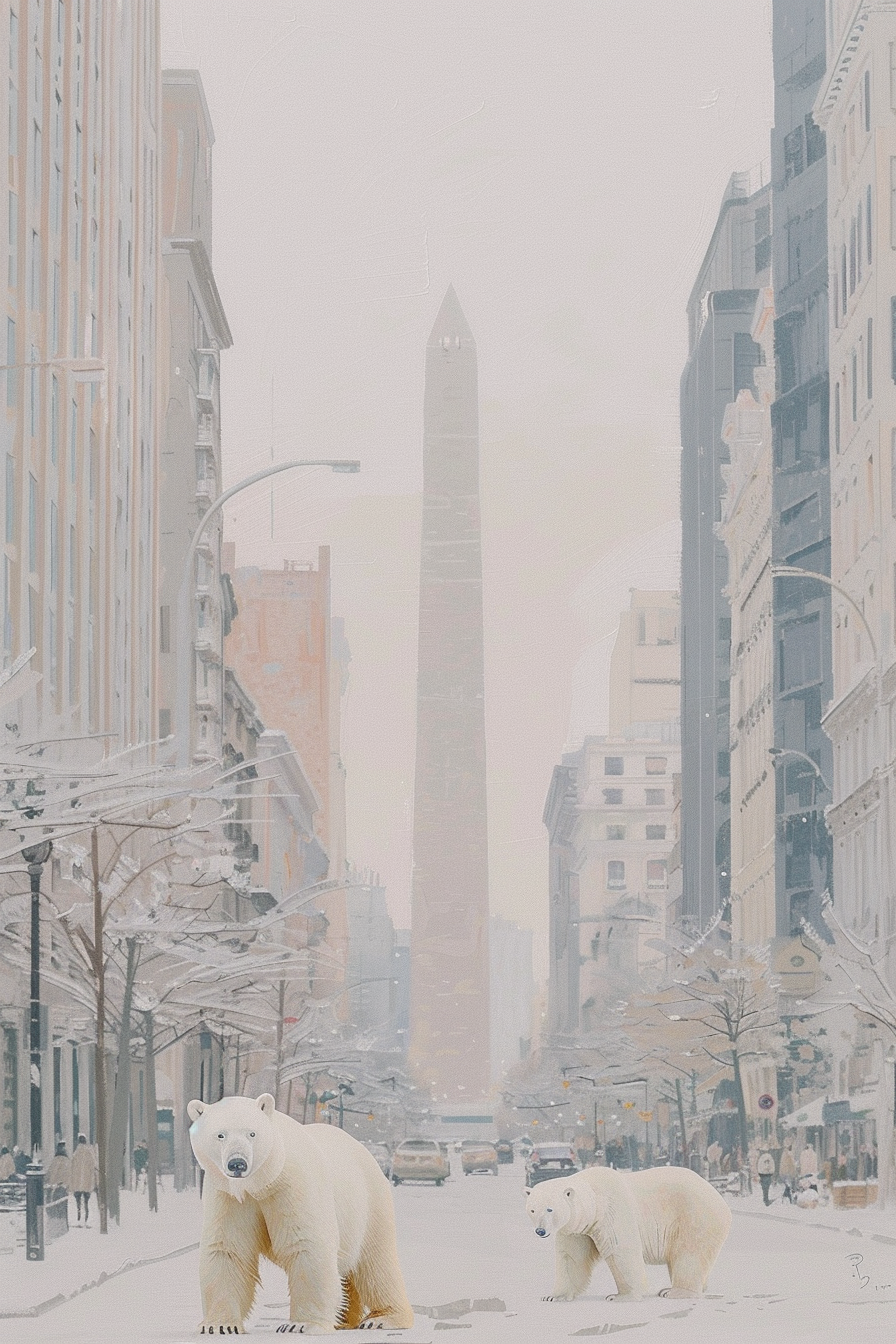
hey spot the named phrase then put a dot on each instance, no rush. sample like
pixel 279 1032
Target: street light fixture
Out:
pixel 184 631
pixel 777 752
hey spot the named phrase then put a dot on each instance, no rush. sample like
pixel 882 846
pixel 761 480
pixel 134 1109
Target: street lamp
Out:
pixel 184 641
pixel 777 752
pixel 36 856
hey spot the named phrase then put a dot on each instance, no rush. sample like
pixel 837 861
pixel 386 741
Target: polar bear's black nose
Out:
pixel 237 1166
pixel 541 1231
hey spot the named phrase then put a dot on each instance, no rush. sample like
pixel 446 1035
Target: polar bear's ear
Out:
pixel 265 1103
pixel 195 1109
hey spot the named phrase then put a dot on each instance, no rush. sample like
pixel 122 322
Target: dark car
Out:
pixel 504 1149
pixel 547 1161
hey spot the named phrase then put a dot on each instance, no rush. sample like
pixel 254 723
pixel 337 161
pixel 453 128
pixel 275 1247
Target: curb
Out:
pixel 61 1298
pixel 825 1227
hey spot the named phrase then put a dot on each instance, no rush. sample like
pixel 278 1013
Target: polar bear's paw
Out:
pixel 216 1328
pixel 306 1328
pixel 689 1293
pixel 558 1297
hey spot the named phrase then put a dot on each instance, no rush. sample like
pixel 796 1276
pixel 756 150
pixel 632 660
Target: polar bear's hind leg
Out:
pixel 378 1277
pixel 688 1274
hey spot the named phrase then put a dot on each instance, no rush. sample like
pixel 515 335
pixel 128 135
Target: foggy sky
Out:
pixel 562 165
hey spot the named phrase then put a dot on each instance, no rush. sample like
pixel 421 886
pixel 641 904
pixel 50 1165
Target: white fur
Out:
pixel 663 1216
pixel 314 1201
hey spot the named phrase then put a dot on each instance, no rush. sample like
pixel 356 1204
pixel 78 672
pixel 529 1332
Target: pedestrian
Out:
pixel 808 1161
pixel 787 1172
pixel 141 1157
pixel 7 1165
pixel 84 1174
pixel 765 1170
pixel 59 1172
pixel 714 1157
pixel 21 1160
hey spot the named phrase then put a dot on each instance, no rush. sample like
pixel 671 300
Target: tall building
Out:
pixel 80 234
pixel 291 658
pixel 721 359
pixel 449 1047
pixel 855 108
pixel 609 815
pixel 190 474
pixel 801 494
pixel 746 529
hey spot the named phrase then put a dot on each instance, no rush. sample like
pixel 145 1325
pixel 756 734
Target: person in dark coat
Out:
pixel 22 1161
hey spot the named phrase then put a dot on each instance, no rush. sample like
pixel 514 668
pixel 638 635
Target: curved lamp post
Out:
pixel 36 856
pixel 184 624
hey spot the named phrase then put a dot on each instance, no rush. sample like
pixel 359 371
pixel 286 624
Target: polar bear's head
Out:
pixel 236 1142
pixel 558 1204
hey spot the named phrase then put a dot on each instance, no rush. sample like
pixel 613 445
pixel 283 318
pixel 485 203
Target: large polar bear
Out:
pixel 663 1216
pixel 308 1197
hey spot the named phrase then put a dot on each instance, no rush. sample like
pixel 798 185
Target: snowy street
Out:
pixel 472 1262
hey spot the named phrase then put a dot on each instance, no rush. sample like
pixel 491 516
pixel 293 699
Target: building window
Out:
pixel 73 445
pixel 656 832
pixel 793 153
pixel 655 765
pixel 72 559
pixel 837 392
pixel 12 270
pixel 852 257
pixel 893 202
pixel 11 494
pixel 867 108
pixel 655 797
pixel 723 764
pixel 164 629
pixel 615 832
pixel 615 875
pixel 854 362
pixel 799 654
pixel 164 723
pixel 54 420
pixel 613 797
pixel 11 358
pixel 893 472
pixel 32 524
pixel 815 142
pixel 54 546
pixel 869 226
pixel 869 359
pixel 656 873
pixel 613 765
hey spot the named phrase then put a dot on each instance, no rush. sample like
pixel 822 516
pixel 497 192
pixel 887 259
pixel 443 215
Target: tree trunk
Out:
pixel 684 1132
pixel 742 1109
pixel 118 1130
pixel 152 1115
pixel 281 1000
pixel 99 971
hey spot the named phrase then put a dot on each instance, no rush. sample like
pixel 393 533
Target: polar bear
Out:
pixel 663 1216
pixel 308 1197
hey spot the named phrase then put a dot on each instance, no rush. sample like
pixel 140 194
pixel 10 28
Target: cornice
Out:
pixel 843 816
pixel 852 707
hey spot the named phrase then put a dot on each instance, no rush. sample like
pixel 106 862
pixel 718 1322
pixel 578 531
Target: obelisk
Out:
pixel 449 1027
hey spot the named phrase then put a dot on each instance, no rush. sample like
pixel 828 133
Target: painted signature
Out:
pixel 864 1280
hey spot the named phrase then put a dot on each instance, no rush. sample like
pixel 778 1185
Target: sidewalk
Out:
pixel 873 1222
pixel 81 1258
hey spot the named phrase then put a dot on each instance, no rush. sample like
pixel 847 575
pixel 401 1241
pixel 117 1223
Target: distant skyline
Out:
pixel 563 168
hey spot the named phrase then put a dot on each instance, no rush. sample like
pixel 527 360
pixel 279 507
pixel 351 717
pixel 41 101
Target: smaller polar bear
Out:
pixel 663 1216
pixel 311 1199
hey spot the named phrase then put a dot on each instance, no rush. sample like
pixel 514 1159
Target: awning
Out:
pixel 813 1113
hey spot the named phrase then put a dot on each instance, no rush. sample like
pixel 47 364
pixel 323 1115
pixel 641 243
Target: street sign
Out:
pixel 646 1116
pixel 766 1102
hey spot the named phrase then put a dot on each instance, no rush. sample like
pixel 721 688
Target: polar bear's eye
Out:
pixel 222 1137
pixel 251 1133
pixel 549 1210
pixel 568 1194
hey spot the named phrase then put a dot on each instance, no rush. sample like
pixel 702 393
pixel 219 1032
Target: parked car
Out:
pixel 504 1149
pixel 383 1157
pixel 524 1145
pixel 548 1161
pixel 476 1155
pixel 419 1160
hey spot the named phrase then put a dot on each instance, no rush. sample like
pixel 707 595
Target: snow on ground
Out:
pixel 472 1263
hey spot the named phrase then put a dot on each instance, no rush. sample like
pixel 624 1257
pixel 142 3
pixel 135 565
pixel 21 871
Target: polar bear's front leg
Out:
pixel 228 1261
pixel 627 1268
pixel 315 1288
pixel 575 1257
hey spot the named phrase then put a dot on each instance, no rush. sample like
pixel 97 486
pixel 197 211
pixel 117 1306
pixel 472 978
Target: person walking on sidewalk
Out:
pixel 765 1170
pixel 7 1165
pixel 59 1172
pixel 787 1172
pixel 84 1174
pixel 141 1157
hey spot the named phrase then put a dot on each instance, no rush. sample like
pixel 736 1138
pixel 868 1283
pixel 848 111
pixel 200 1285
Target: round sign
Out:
pixel 766 1102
